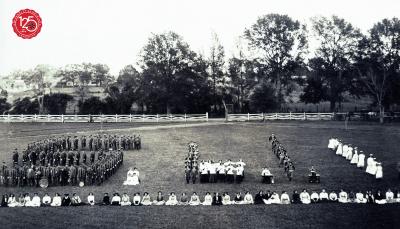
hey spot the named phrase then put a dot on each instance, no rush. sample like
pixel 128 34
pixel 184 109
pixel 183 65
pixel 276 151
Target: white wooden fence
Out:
pixel 281 116
pixel 106 118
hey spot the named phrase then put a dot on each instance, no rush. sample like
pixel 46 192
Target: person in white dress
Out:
pixel 207 199
pixel 354 159
pixel 305 197
pixel 361 160
pixel 285 199
pixel 345 150
pixel 35 202
pixel 333 143
pixel 389 196
pixel 349 155
pixel 343 197
pixel 12 202
pixel 248 198
pixel 125 200
pixel 379 171
pixel 374 167
pixel 132 177
pixel 360 199
pixel 146 199
pixel 56 201
pixel 226 199
pixel 172 200
pixel 194 200
pixel 90 199
pixel 370 163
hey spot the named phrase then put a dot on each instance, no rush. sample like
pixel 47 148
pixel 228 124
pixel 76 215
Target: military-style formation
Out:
pixel 191 162
pixel 281 154
pixel 63 161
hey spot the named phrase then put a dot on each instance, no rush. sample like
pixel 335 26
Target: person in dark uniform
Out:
pixel 15 157
pixel 106 199
pixel 66 201
pixel 217 199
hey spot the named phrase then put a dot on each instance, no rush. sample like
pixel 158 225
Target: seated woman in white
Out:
pixel 379 197
pixel 314 197
pixel 343 197
pixel 21 201
pixel 184 199
pixel 146 200
pixel 125 200
pixel 172 200
pixel 333 197
pixel 194 200
pixel 159 199
pixel 226 199
pixel 360 198
pixel 345 150
pixel 323 196
pixel 35 202
pixel 397 196
pixel 274 199
pixel 390 196
pixel 136 199
pixel 248 198
pixel 305 197
pixel 12 202
pixel 238 199
pixel 27 200
pixel 349 153
pixel 90 199
pixel 56 201
pixel 285 199
pixel 339 150
pixel 207 199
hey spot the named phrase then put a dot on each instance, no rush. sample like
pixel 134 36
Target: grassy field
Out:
pixel 161 166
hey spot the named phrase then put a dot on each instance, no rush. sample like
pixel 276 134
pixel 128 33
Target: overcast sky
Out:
pixel 113 32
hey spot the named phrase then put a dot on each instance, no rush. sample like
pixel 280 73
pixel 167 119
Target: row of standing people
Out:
pixel 284 160
pixel 356 157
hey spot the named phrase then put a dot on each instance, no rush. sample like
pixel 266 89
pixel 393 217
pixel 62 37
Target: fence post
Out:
pixel 48 117
pixel 290 115
pixel 206 116
pixel 130 117
pixel 170 117
pixel 8 117
pixel 319 116
pixel 142 117
pixel 22 117
pixel 304 117
pixel 263 117
pixel 76 118
pixel 276 116
pixel 158 117
pixel 62 118
pixel 35 118
pixel 185 117
pixel 248 116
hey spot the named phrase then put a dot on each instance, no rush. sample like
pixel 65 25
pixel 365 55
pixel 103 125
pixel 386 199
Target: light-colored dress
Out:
pixel 132 178
pixel 361 160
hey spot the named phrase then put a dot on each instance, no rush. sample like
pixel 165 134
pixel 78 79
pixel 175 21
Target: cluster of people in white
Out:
pixel 268 197
pixel 132 177
pixel 356 157
pixel 228 171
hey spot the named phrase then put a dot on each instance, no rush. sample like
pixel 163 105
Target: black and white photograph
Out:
pixel 199 114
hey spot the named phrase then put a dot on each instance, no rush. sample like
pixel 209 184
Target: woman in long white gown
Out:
pixel 379 171
pixel 132 177
pixel 354 159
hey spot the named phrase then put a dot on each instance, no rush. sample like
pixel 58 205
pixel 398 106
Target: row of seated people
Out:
pixel 304 197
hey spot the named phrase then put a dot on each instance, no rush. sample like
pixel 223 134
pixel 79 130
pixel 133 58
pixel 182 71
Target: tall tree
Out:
pixel 162 60
pixel 281 44
pixel 40 79
pixel 216 63
pixel 379 63
pixel 337 42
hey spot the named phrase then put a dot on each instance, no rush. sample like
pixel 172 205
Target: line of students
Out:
pixel 304 197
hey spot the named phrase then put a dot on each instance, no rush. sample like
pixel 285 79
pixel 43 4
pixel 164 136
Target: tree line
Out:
pixel 328 59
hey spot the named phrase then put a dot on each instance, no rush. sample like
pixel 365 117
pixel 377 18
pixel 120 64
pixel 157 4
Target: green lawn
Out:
pixel 160 163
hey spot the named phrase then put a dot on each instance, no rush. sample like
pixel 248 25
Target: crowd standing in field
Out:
pixel 63 160
pixel 268 197
pixel 356 158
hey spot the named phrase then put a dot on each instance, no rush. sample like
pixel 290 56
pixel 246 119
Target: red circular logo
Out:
pixel 27 23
